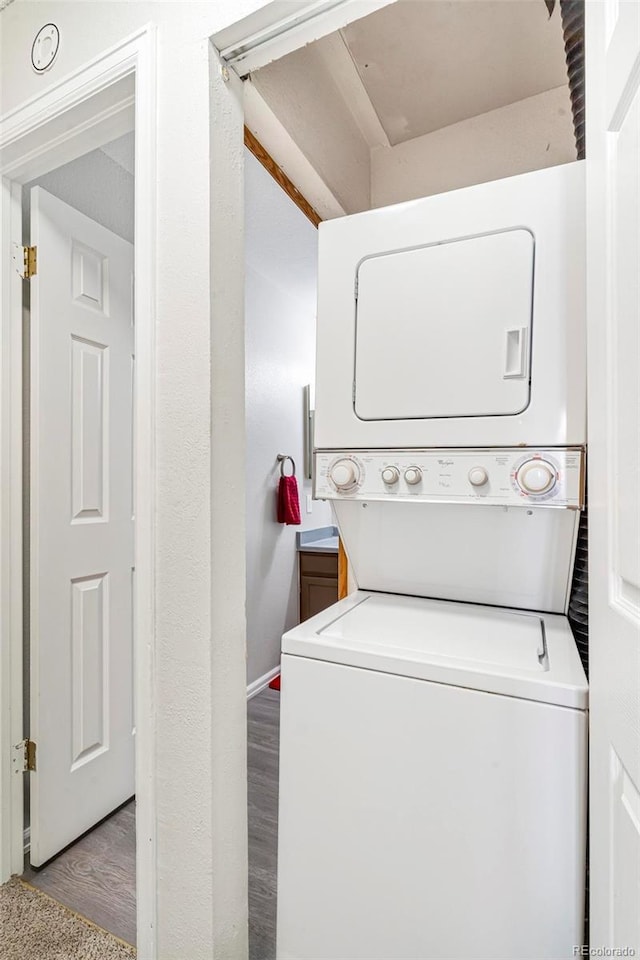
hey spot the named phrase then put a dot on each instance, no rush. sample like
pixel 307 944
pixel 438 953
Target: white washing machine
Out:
pixel 456 320
pixel 434 753
pixel 432 784
pixel 495 526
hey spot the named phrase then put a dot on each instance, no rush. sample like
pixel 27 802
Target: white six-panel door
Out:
pixel 613 170
pixel 81 524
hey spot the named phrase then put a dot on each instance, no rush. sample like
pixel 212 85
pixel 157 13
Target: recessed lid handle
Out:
pixel 515 364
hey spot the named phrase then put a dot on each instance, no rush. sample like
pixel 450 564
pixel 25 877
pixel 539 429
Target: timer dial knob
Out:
pixel 390 475
pixel 413 475
pixel 536 476
pixel 478 476
pixel 345 474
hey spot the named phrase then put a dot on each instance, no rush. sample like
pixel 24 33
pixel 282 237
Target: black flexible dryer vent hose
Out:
pixel 572 13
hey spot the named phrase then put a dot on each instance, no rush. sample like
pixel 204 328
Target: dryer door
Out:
pixel 444 330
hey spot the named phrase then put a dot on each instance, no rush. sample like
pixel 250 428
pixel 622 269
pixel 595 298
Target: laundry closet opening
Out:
pixel 365 118
pixel 79 530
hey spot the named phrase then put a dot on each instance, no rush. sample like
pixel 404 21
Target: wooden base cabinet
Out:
pixel 318 582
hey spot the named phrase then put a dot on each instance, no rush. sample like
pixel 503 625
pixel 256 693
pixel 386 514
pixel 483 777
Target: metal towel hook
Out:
pixel 282 460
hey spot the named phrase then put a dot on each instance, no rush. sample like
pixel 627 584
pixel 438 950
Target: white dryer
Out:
pixel 456 320
pixel 432 784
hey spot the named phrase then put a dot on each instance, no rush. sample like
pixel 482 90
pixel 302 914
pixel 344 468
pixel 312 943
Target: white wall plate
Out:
pixel 45 47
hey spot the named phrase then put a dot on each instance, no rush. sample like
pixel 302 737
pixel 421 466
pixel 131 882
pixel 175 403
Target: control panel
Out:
pixel 511 476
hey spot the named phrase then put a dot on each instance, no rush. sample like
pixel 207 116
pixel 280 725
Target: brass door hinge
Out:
pixel 30 262
pixel 25 260
pixel 24 756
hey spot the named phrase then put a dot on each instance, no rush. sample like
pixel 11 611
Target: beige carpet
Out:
pixel 35 927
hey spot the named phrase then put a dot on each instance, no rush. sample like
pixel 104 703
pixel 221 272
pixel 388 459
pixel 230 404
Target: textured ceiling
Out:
pixel 426 64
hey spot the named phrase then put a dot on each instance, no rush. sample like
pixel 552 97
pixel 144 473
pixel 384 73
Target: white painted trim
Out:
pixel 256 41
pixel 279 143
pixel 257 686
pixel 11 784
pixel 145 231
pixel 28 128
pixel 98 129
pixel 227 768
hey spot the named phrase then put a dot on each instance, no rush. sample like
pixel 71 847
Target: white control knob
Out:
pixel 345 474
pixel 536 476
pixel 413 475
pixel 390 475
pixel 478 476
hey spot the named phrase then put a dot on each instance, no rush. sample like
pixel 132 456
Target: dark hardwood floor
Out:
pixel 263 730
pixel 96 876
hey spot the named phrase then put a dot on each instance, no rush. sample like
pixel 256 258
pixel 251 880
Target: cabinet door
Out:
pixel 316 594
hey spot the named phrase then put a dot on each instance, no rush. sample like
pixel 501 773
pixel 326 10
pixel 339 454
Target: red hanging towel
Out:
pixel 288 501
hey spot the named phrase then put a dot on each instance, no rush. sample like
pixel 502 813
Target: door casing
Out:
pixel 44 133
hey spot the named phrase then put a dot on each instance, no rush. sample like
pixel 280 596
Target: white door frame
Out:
pixel 82 111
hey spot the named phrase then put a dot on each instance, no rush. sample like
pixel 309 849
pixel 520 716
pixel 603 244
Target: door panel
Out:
pixel 89 691
pixel 613 190
pixel 81 524
pixel 89 430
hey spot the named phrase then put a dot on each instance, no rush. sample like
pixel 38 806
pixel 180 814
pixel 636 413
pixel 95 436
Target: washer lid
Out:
pixel 514 653
pixel 450 633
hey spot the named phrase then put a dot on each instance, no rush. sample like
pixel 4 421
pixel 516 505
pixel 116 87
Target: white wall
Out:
pixel 199 698
pixel 280 311
pixel 528 135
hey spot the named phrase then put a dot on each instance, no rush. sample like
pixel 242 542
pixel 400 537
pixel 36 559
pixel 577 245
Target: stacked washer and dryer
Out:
pixel 433 761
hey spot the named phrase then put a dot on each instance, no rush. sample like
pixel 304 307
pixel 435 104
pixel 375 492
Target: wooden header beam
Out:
pixel 255 147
